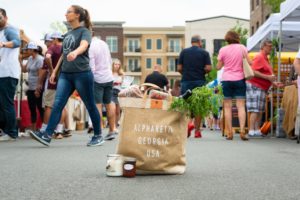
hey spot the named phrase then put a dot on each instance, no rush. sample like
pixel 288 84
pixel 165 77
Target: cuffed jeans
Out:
pixel 8 87
pixel 83 82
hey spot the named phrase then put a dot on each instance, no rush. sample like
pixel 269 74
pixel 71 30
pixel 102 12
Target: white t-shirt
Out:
pixel 9 62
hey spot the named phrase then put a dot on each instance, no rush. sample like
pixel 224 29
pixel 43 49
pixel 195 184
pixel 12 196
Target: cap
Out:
pixel 47 37
pixel 57 35
pixel 31 45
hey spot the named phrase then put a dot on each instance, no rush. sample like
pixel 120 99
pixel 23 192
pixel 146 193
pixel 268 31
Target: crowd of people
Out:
pixel 80 61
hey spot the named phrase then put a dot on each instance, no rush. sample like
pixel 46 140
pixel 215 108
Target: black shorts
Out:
pixel 103 92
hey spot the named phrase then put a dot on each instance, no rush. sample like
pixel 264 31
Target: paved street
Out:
pixel 216 169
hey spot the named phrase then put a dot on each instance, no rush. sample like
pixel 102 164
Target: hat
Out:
pixel 57 35
pixel 47 37
pixel 31 45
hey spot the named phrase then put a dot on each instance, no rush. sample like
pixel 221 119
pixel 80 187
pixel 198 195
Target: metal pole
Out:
pixel 271 107
pixel 278 77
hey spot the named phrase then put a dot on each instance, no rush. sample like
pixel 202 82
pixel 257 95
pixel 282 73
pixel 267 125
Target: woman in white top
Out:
pixel 118 79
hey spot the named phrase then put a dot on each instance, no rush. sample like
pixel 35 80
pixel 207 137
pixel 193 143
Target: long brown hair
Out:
pixel 84 16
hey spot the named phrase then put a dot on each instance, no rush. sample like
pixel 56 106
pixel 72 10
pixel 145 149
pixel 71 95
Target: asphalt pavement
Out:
pixel 259 169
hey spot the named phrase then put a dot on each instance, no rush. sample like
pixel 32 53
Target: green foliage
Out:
pixel 273 56
pixel 212 75
pixel 199 103
pixel 58 26
pixel 243 32
pixel 275 5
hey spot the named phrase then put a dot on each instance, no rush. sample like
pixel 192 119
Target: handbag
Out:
pixel 248 72
pixel 77 113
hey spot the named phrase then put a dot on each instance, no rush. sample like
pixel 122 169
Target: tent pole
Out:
pixel 271 102
pixel 278 78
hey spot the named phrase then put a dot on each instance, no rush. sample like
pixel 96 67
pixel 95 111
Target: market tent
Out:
pixel 290 10
pixel 270 29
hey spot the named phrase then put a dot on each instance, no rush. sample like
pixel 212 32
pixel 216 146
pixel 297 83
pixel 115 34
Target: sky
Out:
pixel 35 16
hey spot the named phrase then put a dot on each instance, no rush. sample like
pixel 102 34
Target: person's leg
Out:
pixel 228 118
pixel 240 103
pixel 110 112
pixel 117 114
pixel 84 84
pixel 240 95
pixel 99 107
pixel 65 88
pixel 32 104
pixel 7 92
pixel 40 106
pixel 110 108
pixel 253 119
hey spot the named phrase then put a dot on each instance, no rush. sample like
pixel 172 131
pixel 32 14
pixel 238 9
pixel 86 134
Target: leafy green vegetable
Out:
pixel 202 102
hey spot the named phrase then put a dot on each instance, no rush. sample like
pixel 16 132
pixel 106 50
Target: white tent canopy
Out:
pixel 290 10
pixel 270 30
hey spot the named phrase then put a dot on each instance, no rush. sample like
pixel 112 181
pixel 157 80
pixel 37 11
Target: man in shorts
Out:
pixel 100 62
pixel 258 86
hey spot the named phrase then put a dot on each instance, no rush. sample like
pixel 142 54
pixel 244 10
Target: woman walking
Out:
pixel 75 74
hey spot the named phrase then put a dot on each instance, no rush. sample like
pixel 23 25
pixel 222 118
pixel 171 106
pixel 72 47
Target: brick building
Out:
pixel 259 13
pixel 112 34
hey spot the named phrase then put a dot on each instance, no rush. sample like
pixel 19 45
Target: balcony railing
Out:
pixel 133 68
pixel 174 49
pixel 133 49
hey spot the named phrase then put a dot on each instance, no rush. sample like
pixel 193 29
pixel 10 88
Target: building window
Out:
pixel 257 25
pixel 252 30
pixel 218 44
pixel 112 42
pixel 158 44
pixel 133 65
pixel 172 65
pixel 257 2
pixel 174 45
pixel 134 45
pixel 149 44
pixel 158 61
pixel 148 63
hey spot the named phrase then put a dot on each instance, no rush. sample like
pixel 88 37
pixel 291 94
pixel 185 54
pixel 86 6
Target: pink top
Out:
pixel 232 57
pixel 100 61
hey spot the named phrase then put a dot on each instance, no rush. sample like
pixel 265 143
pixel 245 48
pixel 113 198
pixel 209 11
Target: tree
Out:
pixel 58 26
pixel 243 32
pixel 275 5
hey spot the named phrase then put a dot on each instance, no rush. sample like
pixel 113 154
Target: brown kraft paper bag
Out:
pixel 155 137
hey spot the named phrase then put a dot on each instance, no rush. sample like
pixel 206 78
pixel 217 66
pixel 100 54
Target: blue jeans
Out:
pixel 83 82
pixel 8 87
pixel 190 85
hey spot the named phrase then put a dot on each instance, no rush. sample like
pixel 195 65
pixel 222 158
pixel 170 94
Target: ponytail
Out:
pixel 87 20
pixel 84 16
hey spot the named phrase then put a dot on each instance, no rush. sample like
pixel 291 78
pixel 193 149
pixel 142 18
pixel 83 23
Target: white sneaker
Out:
pixel 6 137
pixel 257 133
pixel 251 133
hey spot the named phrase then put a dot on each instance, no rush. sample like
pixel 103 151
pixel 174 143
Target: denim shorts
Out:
pixel 103 92
pixel 234 89
pixel 190 85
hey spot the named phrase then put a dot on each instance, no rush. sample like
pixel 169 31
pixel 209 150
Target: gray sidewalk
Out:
pixel 263 169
